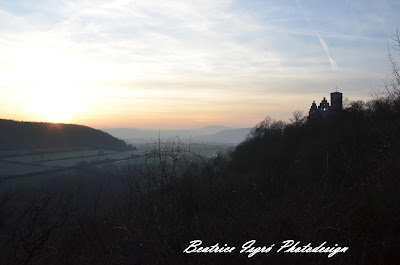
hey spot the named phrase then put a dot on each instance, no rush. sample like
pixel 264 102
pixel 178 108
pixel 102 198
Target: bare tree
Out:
pixel 391 89
pixel 298 118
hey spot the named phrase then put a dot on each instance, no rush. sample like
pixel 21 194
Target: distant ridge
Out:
pixel 231 136
pixel 20 135
pixel 204 135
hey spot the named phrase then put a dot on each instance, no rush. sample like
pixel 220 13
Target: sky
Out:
pixel 187 64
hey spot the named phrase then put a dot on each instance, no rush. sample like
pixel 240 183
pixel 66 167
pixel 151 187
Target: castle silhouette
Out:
pixel 324 110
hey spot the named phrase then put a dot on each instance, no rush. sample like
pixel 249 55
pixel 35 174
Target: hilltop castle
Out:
pixel 324 110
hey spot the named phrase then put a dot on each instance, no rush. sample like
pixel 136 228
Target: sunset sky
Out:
pixel 187 64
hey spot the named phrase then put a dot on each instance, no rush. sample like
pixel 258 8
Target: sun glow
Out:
pixel 55 111
pixel 53 85
pixel 53 106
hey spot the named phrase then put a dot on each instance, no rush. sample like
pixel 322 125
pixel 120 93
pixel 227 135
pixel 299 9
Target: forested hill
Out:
pixel 16 135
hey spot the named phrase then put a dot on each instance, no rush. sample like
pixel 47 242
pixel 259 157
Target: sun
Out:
pixel 57 111
pixel 57 107
pixel 51 85
pixel 52 105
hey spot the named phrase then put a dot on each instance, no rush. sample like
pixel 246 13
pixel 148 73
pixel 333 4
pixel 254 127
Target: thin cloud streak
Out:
pixel 331 61
pixel 321 40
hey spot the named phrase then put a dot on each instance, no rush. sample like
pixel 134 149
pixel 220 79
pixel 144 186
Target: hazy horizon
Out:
pixel 154 128
pixel 175 64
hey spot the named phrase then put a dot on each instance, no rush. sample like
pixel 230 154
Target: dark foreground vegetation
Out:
pixel 334 180
pixel 15 135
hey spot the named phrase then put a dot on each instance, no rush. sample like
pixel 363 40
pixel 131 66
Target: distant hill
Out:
pixel 212 129
pixel 231 136
pixel 16 135
pixel 129 133
pixel 208 134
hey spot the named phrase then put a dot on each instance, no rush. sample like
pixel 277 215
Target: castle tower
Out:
pixel 324 105
pixel 313 108
pixel 336 101
pixel 323 108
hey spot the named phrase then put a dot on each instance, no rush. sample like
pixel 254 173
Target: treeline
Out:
pixel 337 178
pixel 15 135
pixel 301 152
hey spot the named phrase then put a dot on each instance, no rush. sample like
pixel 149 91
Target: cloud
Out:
pixel 147 40
pixel 331 61
pixel 172 51
pixel 321 40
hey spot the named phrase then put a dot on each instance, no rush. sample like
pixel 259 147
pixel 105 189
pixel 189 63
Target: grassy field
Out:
pixel 13 169
pixel 200 149
pixel 29 165
pixel 42 163
pixel 71 162
pixel 57 156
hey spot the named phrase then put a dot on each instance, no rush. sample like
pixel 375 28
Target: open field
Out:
pixel 72 162
pixel 35 164
pixel 13 169
pixel 57 156
pixel 43 163
pixel 199 149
